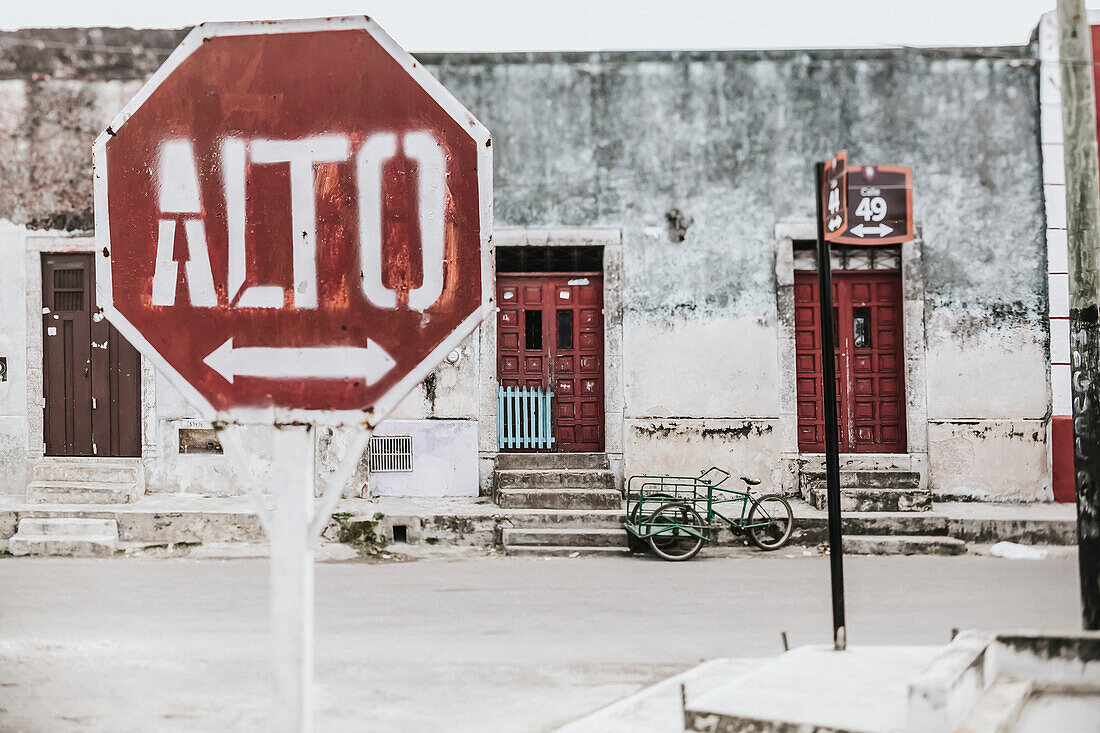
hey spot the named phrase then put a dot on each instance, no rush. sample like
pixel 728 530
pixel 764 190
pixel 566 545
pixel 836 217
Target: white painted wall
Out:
pixel 444 459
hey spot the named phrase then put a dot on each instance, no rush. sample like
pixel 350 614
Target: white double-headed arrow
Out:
pixel 880 230
pixel 320 362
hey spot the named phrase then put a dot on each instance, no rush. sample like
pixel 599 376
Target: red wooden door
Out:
pixel 867 316
pixel 550 335
pixel 91 375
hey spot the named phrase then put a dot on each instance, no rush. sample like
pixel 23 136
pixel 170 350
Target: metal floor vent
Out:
pixel 391 453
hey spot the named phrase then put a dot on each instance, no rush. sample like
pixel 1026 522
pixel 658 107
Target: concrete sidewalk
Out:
pixel 477 522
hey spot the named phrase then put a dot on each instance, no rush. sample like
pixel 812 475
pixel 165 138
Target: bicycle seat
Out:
pixel 750 481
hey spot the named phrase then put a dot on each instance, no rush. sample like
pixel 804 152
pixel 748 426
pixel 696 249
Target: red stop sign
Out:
pixel 293 221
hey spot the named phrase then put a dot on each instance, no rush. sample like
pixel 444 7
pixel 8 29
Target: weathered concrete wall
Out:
pixel 727 139
pixel 444 459
pixel 694 157
pixel 14 468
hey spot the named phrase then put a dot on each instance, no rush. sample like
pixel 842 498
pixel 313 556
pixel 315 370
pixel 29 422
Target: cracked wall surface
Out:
pixel 694 157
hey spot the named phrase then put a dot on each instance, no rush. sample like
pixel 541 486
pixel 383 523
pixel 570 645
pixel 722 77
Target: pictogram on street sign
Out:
pixel 834 194
pixel 867 204
pixel 293 221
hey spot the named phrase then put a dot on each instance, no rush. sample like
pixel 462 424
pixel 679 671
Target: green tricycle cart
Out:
pixel 675 515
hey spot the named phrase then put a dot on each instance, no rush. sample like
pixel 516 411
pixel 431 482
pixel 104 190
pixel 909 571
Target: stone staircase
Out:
pixel 569 502
pixel 86 480
pixel 555 481
pixel 880 491
pixel 870 491
pixel 68 536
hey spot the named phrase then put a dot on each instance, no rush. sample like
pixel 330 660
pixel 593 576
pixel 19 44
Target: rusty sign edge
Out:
pixel 276 415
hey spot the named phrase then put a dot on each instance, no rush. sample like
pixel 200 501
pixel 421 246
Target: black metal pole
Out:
pixel 832 437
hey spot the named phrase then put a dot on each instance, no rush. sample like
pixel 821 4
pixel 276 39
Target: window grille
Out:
pixel 391 453
pixel 848 257
pixel 549 259
pixel 68 290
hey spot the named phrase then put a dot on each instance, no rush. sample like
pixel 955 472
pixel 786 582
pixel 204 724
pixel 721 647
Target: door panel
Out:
pixel 91 375
pixel 870 387
pixel 550 335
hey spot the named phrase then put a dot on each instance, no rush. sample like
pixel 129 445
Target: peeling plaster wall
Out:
pixel 694 156
pixel 14 466
pixel 726 140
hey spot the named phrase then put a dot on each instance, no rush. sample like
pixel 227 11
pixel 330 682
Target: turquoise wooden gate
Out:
pixel 523 418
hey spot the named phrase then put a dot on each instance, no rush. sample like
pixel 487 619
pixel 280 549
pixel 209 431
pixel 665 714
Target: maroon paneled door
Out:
pixel 550 335
pixel 869 362
pixel 91 375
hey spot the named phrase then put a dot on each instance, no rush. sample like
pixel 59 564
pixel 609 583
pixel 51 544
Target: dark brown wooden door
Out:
pixel 867 316
pixel 91 375
pixel 550 335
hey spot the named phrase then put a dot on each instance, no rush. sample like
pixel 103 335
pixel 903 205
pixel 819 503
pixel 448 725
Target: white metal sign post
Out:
pixel 293 221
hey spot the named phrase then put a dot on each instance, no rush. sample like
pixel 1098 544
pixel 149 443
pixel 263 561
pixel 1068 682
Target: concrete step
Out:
pixel 560 499
pixel 97 470
pixel 540 551
pixel 81 492
pixel 812 688
pixel 566 478
pixel 69 526
pixel 65 536
pixel 867 499
pixel 511 461
pixel 870 544
pixel 811 480
pixel 564 537
pixel 999 707
pixel 591 519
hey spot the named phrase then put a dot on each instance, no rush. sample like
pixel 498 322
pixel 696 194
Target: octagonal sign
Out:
pixel 293 221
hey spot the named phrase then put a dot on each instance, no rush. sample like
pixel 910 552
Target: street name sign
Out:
pixel 867 204
pixel 293 221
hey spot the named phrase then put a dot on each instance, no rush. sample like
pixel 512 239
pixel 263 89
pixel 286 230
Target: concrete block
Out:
pixel 815 689
pixel 942 694
pixel 534 518
pixel 80 492
pixel 876 500
pixel 556 461
pixel 865 479
pixel 568 537
pixel 902 545
pixel 999 707
pixel 555 479
pixel 192 526
pixel 69 526
pixel 65 536
pixel 559 499
pixel 97 470
pixel 62 546
pixel 540 551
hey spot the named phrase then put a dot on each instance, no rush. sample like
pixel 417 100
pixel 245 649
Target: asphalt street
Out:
pixel 476 644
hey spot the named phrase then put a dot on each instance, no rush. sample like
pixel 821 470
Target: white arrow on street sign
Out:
pixel 879 230
pixel 321 362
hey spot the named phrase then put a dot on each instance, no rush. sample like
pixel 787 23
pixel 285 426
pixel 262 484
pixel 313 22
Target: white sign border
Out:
pixel 277 415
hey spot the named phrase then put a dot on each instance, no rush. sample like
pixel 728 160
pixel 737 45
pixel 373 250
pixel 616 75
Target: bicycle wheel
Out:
pixel 672 542
pixel 775 510
pixel 637 544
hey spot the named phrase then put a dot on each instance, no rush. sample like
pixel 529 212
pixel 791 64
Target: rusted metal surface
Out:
pixel 294 221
